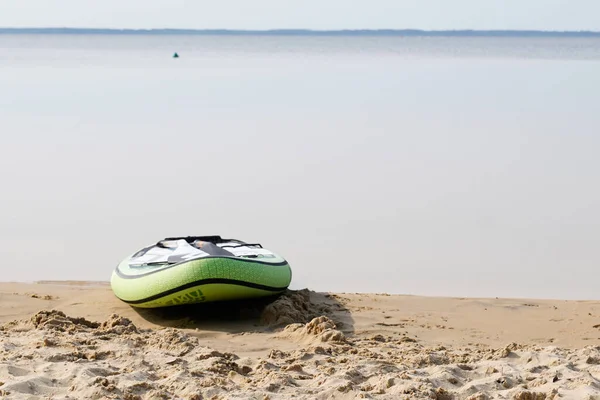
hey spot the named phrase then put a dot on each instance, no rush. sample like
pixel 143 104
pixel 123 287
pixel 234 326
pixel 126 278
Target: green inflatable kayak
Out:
pixel 197 269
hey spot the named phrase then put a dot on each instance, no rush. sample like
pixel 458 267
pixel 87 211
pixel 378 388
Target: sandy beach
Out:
pixel 75 340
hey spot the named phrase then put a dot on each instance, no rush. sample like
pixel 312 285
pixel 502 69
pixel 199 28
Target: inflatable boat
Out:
pixel 197 269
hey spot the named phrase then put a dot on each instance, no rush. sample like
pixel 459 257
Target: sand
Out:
pixel 75 340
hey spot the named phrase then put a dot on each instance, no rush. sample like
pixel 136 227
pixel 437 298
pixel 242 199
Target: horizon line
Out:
pixel 302 32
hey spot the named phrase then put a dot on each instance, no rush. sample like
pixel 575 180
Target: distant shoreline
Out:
pixel 303 32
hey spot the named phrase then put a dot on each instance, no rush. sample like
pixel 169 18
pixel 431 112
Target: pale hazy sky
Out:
pixel 311 14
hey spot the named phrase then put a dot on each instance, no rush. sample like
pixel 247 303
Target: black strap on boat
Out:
pixel 243 245
pixel 215 239
pixel 212 239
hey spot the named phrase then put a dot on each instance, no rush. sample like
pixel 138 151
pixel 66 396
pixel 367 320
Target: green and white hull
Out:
pixel 199 269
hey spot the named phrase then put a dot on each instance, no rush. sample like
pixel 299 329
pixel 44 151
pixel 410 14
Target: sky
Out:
pixel 307 14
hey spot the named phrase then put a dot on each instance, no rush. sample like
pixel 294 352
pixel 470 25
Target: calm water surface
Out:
pixel 436 166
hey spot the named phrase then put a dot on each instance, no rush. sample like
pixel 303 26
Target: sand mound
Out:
pixel 320 329
pixel 57 320
pixel 117 325
pixel 54 320
pixel 295 307
pixel 291 307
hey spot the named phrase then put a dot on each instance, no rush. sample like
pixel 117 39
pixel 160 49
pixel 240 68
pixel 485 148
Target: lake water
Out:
pixel 434 166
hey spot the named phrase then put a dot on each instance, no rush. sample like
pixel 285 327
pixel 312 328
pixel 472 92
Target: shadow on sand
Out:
pixel 253 315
